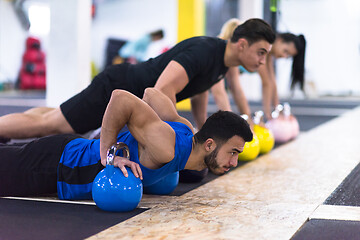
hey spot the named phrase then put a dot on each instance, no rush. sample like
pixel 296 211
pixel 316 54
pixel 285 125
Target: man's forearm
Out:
pixel 220 96
pixel 266 99
pixel 170 93
pixel 113 121
pixel 267 88
pixel 199 108
pixel 239 95
pixel 172 80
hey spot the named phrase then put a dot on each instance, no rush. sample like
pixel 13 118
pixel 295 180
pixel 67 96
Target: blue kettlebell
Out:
pixel 111 190
pixel 164 186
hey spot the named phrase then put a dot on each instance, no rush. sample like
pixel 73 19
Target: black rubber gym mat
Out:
pixel 183 188
pixel 348 192
pixel 22 219
pixel 319 229
pixel 307 123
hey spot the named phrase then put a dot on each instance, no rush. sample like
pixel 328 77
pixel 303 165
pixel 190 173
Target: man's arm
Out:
pixel 233 79
pixel 199 108
pixel 220 96
pixel 275 97
pixel 268 87
pixel 172 80
pixel 163 106
pixel 152 134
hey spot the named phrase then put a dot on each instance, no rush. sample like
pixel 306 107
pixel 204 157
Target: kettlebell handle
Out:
pixel 112 151
pixel 258 117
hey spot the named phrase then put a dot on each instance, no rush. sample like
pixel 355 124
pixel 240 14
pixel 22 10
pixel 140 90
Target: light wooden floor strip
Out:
pixel 335 212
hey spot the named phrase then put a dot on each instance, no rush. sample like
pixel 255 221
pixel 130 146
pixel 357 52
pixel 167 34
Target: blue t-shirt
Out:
pixel 80 162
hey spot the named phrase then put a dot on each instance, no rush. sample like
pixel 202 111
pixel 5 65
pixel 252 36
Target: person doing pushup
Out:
pixel 187 70
pixel 160 142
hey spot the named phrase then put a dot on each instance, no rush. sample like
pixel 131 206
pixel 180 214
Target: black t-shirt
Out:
pixel 201 57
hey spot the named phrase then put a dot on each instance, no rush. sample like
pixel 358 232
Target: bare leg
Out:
pixel 36 122
pixel 39 110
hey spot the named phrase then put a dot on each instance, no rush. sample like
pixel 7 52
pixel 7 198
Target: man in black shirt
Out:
pixel 187 70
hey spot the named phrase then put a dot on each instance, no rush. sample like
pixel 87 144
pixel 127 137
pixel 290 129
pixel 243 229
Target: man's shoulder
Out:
pixel 203 39
pixel 201 47
pixel 181 126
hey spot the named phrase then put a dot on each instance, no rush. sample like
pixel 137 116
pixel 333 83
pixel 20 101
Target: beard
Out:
pixel 210 160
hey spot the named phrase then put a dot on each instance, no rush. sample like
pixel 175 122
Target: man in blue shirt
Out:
pixel 160 142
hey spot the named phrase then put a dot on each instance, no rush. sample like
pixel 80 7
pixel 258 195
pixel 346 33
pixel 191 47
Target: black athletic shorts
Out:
pixel 30 169
pixel 84 111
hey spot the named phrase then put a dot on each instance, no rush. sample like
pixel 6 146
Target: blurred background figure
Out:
pixel 286 45
pixel 136 51
pixel 228 28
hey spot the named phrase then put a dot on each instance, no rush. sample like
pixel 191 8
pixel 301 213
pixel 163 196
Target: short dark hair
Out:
pixel 298 66
pixel 254 30
pixel 223 125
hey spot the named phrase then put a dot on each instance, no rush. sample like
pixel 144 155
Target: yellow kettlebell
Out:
pixel 266 138
pixel 251 150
